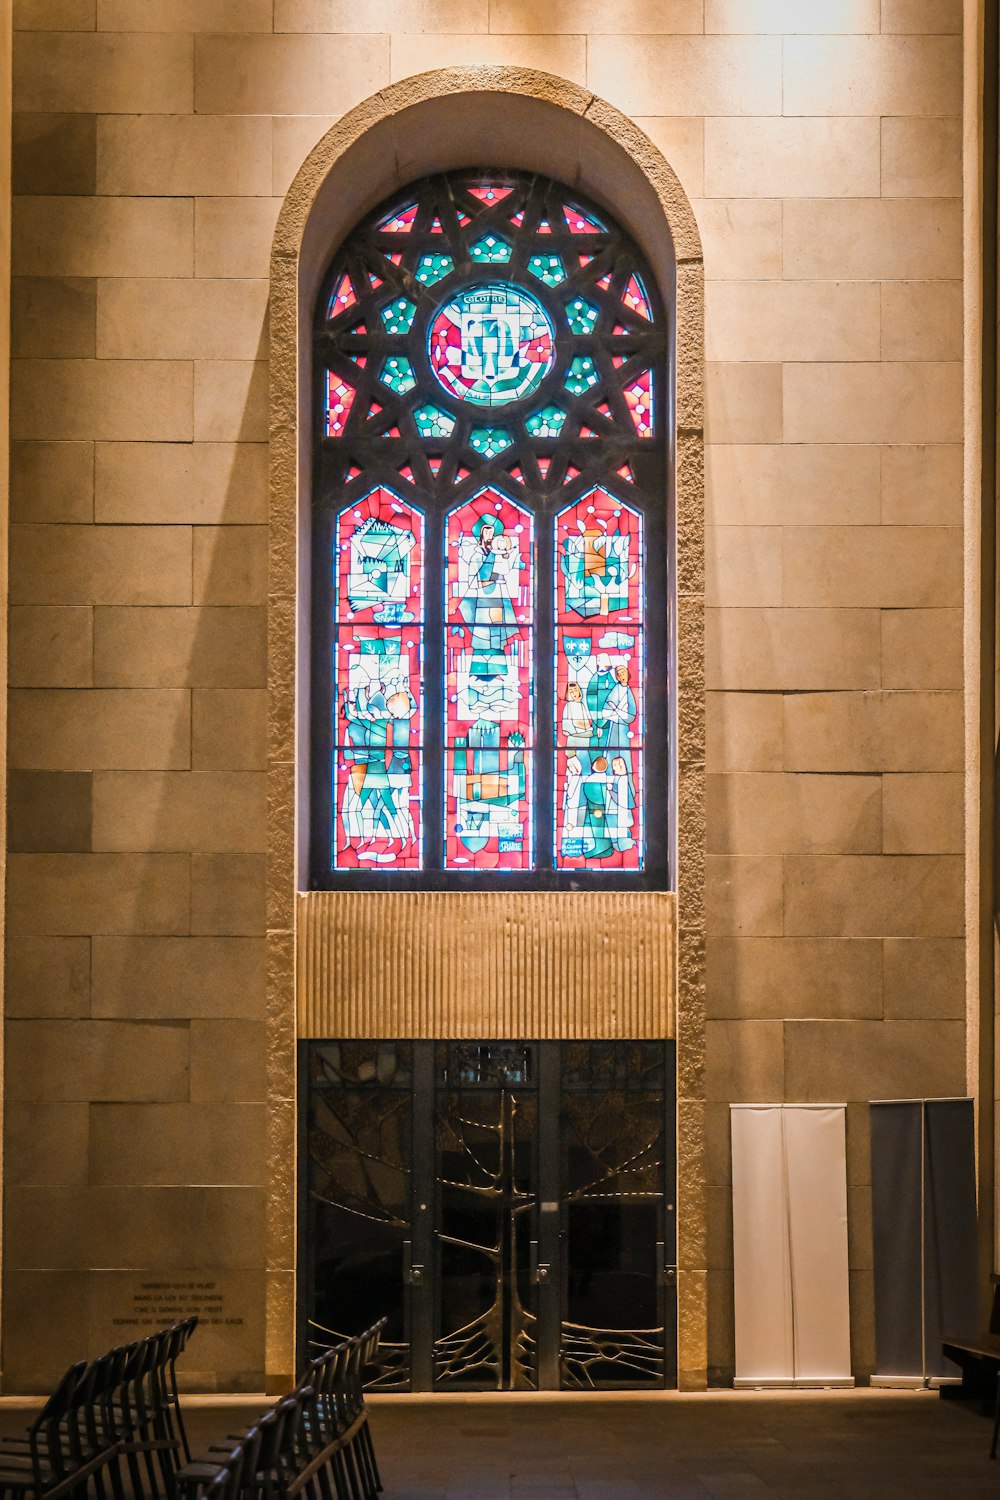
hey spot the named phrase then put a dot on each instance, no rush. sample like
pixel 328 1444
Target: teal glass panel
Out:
pixel 399 315
pixel 397 374
pixel 548 268
pixel 431 268
pixel 546 423
pixel 489 441
pixel 581 315
pixel 490 251
pixel 433 422
pixel 581 375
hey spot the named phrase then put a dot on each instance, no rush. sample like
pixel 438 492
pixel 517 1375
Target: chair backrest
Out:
pixel 47 1432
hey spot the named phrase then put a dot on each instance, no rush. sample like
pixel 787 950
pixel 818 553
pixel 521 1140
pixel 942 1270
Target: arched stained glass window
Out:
pixel 490 547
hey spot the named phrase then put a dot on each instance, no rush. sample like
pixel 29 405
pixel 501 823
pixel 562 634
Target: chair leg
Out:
pixel 996 1418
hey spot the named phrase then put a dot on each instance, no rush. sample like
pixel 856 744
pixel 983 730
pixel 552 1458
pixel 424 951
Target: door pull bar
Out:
pixel 412 1275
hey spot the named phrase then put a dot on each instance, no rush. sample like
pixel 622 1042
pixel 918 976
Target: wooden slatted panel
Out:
pixel 486 964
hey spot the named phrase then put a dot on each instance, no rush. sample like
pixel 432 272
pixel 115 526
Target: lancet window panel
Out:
pixel 491 605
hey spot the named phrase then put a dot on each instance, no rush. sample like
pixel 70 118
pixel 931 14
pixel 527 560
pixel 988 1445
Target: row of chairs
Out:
pixel 314 1442
pixel 118 1415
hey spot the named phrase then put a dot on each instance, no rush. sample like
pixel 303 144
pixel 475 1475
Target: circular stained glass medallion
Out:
pixel 491 344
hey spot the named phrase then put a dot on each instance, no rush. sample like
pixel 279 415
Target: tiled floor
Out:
pixel 721 1446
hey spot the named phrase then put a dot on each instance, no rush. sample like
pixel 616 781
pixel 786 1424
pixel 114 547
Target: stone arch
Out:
pixel 436 121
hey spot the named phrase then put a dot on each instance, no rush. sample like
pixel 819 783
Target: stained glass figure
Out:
pixel 581 374
pixel 402 222
pixel 490 251
pixel 397 374
pixel 639 398
pixel 548 268
pixel 489 441
pixel 546 423
pixel 489 729
pixel 378 672
pixel 339 400
pixel 491 344
pixel 582 316
pixel 342 297
pixel 399 315
pixel 433 422
pixel 600 660
pixel 432 268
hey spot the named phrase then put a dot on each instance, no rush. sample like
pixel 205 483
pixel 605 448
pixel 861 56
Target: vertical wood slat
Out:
pixel 486 964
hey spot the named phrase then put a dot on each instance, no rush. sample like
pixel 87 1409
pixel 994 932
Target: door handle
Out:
pixel 540 1271
pixel 665 1275
pixel 412 1275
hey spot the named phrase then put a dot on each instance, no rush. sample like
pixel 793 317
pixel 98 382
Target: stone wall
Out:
pixel 153 141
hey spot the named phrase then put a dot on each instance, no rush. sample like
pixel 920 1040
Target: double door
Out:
pixel 508 1205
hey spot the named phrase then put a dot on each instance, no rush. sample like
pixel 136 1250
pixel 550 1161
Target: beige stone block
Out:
pixel 181 319
pixel 921 320
pixel 826 17
pixel 47 976
pixel 720 1228
pixel 858 1060
pixel 52 316
pixel 228 1352
pixel 743 403
pixel 661 75
pixel 101 565
pixel 58 729
pixel 53 153
pixel 287 75
pixel 922 158
pixel 202 811
pixel 184 15
pixel 230 401
pixel 96 1060
pixel 781 978
pixel 914 402
pixel 227 1062
pixel 916 16
pixel 49 646
pixel 383 15
pixel 859 1227
pixel 232 236
pixel 103 237
pixel 744 1061
pixel 744 731
pixel 184 155
pixel 54 15
pixel 743 895
pixel 924 813
pixel 921 649
pixel 743 565
pixel 177 1145
pixel 827 732
pixel 873 896
pixel 806 484
pixel 227 894
pixel 71 894
pixel 138 1226
pixel 885 239
pixel 922 732
pixel 48 811
pixel 294 136
pixel 171 483
pixel 792 158
pixel 229 728
pixel 758 812
pixel 201 648
pixel 682 143
pixel 922 484
pixel 924 979
pixel 419 52
pixel 230 564
pixel 109 73
pixel 52 481
pixel 124 399
pixel 46 1144
pixel 173 978
pixel 803 320
pixel 741 238
pixel 872 75
pixel 792 650
pixel 902 566
pixel 33 1360
pixel 627 18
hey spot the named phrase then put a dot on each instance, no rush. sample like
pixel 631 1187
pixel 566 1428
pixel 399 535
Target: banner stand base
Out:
pixel 914 1382
pixel 777 1383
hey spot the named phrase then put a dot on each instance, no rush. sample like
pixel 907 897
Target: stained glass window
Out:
pixel 491 586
